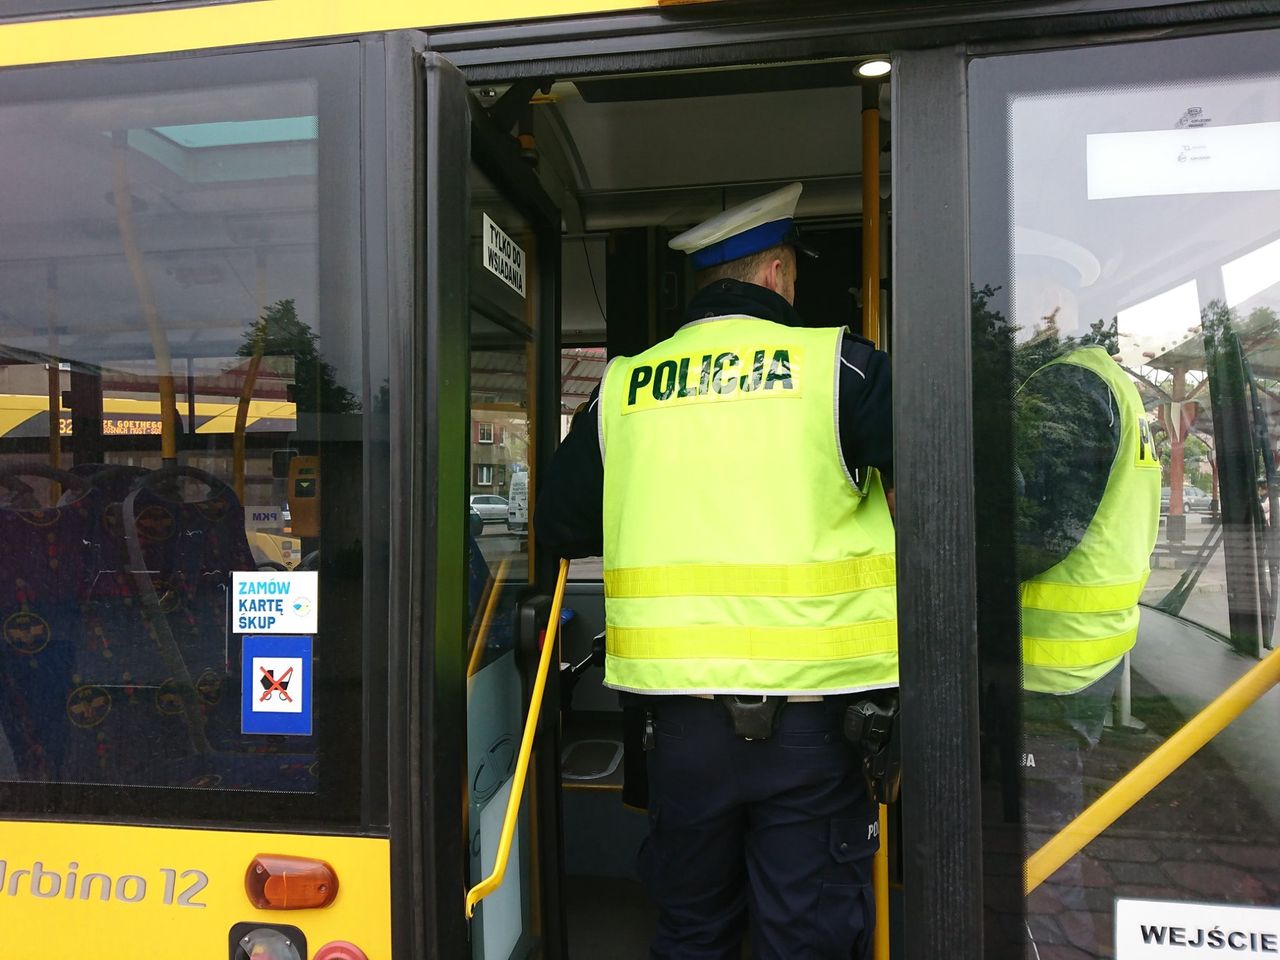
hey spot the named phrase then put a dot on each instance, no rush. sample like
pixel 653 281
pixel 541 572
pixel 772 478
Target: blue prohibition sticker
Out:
pixel 275 686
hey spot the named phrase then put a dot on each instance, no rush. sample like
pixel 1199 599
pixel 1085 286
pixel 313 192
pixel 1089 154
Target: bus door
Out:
pixel 1125 297
pixel 499 423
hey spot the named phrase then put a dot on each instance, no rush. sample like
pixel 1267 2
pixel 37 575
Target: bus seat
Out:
pixel 44 570
pixel 142 623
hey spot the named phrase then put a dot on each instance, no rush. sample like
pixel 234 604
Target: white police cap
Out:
pixel 743 230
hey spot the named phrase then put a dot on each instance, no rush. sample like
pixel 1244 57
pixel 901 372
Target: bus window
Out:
pixel 1126 289
pixel 180 594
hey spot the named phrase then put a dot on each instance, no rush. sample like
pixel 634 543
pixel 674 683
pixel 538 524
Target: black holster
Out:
pixel 755 717
pixel 872 725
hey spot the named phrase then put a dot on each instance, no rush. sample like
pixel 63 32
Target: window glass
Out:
pixel 180 429
pixel 1126 283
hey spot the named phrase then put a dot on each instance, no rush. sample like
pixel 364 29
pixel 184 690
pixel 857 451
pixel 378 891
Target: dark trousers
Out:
pixel 773 836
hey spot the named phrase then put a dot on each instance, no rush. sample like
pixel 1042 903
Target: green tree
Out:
pixel 279 333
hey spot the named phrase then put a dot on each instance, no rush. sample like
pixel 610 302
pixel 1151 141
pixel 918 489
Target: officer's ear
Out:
pixel 774 275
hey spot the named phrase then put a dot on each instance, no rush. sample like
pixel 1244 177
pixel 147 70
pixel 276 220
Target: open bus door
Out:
pixel 492 268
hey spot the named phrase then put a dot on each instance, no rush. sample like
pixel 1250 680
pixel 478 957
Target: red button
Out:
pixel 340 950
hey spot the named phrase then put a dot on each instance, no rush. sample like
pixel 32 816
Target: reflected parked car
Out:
pixel 1193 498
pixel 492 508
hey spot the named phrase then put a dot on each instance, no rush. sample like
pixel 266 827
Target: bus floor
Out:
pixel 610 918
pixel 609 914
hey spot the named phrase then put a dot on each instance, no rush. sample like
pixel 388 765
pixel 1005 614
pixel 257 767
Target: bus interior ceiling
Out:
pixel 648 155
pixel 631 161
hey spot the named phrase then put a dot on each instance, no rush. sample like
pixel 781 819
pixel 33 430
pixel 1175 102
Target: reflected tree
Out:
pixel 279 332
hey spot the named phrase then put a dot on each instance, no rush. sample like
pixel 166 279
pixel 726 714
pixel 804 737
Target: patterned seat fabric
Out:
pixel 118 675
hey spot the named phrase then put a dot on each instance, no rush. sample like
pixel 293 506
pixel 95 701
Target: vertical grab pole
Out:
pixel 880 888
pixel 871 330
pixel 250 379
pixel 871 212
pixel 54 372
pixel 146 297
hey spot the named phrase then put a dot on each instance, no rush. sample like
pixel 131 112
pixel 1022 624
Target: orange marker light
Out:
pixel 277 882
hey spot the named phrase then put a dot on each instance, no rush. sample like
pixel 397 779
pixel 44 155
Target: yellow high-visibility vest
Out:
pixel 1080 616
pixel 739 554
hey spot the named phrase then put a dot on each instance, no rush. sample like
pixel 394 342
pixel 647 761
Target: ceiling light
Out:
pixel 873 68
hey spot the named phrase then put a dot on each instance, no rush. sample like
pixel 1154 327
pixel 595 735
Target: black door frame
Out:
pixel 437 131
pixel 944 845
pixel 496 152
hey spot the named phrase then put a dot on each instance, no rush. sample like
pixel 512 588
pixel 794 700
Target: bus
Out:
pixel 283 285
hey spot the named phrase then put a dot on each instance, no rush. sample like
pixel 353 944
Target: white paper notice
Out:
pixel 503 256
pixel 1153 163
pixel 1149 929
pixel 275 602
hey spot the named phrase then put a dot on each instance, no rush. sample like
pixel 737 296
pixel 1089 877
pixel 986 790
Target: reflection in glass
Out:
pixel 1128 301
pixel 161 389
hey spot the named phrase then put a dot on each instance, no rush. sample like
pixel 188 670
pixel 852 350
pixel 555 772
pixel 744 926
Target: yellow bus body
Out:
pixel 122 891
pixel 260 21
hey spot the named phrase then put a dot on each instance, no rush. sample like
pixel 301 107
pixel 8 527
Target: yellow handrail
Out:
pixel 494 879
pixel 493 590
pixel 880 889
pixel 1147 775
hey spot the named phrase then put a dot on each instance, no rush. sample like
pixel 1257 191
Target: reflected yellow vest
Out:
pixel 739 556
pixel 1080 616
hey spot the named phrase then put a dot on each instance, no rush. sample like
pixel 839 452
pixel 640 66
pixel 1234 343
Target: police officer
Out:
pixel 735 476
pixel 1088 517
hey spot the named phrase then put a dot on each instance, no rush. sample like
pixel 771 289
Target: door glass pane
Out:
pixel 503 390
pixel 1126 283
pixel 180 432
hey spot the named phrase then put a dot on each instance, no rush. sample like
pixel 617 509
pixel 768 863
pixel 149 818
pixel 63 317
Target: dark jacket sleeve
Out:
pixel 866 408
pixel 569 514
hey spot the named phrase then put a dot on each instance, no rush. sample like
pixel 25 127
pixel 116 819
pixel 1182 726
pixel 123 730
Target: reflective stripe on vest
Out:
pixel 1082 598
pixel 720 446
pixel 1039 652
pixel 1081 615
pixel 754 580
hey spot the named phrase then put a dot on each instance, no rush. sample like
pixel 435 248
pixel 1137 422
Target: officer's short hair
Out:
pixel 744 268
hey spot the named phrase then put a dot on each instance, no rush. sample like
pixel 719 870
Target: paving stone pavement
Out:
pixel 1198 837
